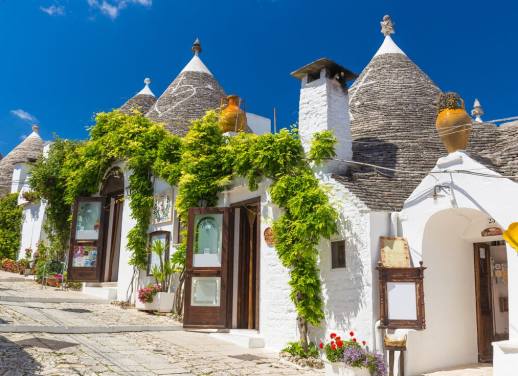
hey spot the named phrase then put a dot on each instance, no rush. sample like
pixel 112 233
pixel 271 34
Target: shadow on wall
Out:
pixel 343 289
pixel 14 360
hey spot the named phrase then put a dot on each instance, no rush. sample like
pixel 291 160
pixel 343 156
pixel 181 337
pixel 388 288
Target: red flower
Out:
pixel 337 338
pixel 364 343
pixel 351 333
pixel 321 345
pixel 354 339
pixel 333 346
pixel 339 343
pixel 333 335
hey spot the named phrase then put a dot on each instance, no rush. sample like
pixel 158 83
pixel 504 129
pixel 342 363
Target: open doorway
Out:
pixel 246 265
pixel 113 191
pixel 492 296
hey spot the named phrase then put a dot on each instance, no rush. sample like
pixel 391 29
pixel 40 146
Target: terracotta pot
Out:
pixel 341 369
pixel 232 118
pixel 454 127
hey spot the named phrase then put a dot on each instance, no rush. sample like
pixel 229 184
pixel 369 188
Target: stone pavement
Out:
pixel 134 352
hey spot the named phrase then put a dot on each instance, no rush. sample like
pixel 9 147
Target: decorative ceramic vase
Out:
pixel 453 122
pixel 232 117
pixel 341 369
pixel 511 235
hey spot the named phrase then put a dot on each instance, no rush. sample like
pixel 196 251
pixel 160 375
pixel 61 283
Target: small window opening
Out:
pixel 313 76
pixel 338 254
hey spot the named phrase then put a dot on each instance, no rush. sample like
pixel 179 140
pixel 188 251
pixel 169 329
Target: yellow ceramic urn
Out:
pixel 453 122
pixel 232 117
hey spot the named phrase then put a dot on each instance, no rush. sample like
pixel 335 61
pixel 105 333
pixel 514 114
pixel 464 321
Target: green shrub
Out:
pixel 296 349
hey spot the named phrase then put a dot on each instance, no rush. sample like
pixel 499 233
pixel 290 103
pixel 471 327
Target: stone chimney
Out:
pixel 324 105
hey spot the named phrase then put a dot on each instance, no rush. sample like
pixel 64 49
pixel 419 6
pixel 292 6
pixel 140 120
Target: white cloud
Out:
pixel 112 8
pixel 54 10
pixel 23 115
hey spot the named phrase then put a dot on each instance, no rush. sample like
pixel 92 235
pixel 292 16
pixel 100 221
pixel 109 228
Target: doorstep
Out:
pixel 250 339
pixel 505 358
pixel 104 290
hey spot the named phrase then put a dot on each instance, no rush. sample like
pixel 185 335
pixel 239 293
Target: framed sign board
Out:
pixel 401 297
pixel 394 252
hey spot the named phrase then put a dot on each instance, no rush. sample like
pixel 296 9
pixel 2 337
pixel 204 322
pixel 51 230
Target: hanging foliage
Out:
pixel 48 181
pixel 10 226
pixel 203 164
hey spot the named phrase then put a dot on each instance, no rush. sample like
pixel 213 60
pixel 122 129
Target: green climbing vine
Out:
pixel 202 164
pixel 10 226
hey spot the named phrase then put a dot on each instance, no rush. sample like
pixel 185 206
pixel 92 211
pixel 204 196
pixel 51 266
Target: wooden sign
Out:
pixel 394 252
pixel 269 237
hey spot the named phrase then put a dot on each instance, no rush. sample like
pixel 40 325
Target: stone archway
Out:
pixel 452 286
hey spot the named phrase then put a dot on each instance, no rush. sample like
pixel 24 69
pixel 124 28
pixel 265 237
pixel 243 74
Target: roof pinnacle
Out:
pixel 477 111
pixel 196 46
pixel 36 128
pixel 387 26
pixel 146 90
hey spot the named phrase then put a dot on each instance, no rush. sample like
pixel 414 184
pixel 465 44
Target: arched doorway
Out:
pixel 113 191
pixel 465 287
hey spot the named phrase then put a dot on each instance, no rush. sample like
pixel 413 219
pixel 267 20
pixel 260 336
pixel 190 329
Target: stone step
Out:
pixel 102 292
pixel 250 339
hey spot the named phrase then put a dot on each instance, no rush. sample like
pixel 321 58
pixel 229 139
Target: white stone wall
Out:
pixel 324 105
pixel 32 227
pixel 350 294
pixel 496 198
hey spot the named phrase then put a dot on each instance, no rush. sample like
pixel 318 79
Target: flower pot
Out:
pixel 162 302
pixel 454 124
pixel 165 301
pixel 341 369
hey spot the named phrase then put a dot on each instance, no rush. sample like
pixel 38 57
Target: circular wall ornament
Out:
pixel 269 237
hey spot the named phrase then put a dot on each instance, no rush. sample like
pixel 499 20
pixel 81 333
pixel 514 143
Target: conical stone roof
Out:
pixel 393 106
pixel 29 150
pixel 142 101
pixel 193 92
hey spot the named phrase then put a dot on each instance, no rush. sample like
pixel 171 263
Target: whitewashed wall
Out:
pixel 496 198
pixel 32 227
pixel 351 294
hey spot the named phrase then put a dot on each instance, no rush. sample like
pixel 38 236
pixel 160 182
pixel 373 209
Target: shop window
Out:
pixel 338 254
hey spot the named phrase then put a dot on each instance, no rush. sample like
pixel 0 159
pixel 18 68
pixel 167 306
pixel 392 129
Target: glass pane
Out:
pixel 207 240
pixel 88 220
pixel 85 256
pixel 205 291
pixel 402 301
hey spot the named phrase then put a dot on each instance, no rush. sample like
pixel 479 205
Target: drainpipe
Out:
pixel 394 224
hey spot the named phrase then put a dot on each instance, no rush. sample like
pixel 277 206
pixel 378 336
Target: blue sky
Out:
pixel 64 60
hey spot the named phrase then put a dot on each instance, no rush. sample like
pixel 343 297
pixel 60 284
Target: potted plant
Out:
pixel 147 300
pixel 162 298
pixel 351 358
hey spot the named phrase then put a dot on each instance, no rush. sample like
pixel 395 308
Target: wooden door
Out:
pixel 85 254
pixel 484 302
pixel 248 270
pixel 112 238
pixel 208 282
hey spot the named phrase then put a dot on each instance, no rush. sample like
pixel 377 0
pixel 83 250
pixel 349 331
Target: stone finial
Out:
pixel 387 26
pixel 147 81
pixel 196 46
pixel 477 111
pixel 36 128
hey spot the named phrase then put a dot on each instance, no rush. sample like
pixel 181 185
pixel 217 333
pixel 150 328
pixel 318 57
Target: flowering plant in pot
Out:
pixel 157 297
pixel 349 357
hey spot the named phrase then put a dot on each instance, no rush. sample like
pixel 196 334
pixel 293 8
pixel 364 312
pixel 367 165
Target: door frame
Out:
pixel 224 321
pixel 256 201
pixel 481 340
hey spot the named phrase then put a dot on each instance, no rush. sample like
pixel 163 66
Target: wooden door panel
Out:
pixel 86 241
pixel 208 292
pixel 484 302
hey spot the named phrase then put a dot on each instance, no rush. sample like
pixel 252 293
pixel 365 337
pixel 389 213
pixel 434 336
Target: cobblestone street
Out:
pixel 53 332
